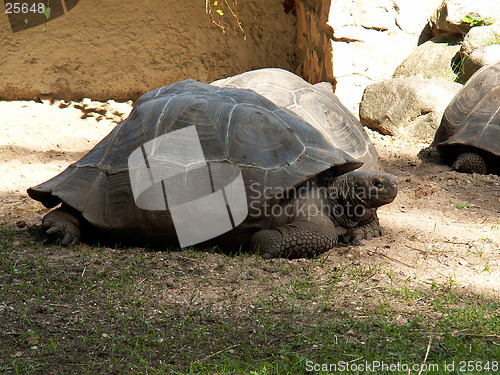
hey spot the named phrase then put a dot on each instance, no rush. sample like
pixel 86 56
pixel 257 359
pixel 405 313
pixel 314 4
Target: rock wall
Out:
pixel 457 38
pixel 117 49
pixel 314 50
pixel 371 38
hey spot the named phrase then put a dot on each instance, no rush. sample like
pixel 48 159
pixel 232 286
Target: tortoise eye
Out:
pixel 377 183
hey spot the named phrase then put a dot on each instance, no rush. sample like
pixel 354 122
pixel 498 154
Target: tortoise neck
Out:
pixel 346 207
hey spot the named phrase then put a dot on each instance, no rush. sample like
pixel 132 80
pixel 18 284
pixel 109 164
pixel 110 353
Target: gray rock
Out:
pixel 407 108
pixel 449 15
pixel 481 36
pixel 477 59
pixel 433 59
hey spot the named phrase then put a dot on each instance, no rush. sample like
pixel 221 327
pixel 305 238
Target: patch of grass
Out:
pixel 91 310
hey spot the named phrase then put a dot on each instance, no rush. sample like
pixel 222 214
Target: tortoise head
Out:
pixel 367 188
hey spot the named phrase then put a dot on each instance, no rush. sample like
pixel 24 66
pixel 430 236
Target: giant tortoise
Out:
pixel 289 190
pixel 469 135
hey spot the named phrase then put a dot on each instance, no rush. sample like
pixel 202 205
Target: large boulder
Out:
pixel 448 17
pixel 408 108
pixel 434 59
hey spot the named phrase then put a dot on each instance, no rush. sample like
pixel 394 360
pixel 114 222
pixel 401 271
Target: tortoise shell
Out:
pixel 316 104
pixel 472 119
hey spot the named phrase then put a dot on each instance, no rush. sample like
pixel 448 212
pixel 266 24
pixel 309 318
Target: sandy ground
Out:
pixel 443 227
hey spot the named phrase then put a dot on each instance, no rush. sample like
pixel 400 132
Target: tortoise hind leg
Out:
pixel 299 239
pixel 470 162
pixel 63 223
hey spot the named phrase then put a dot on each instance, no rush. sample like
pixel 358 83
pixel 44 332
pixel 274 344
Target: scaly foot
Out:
pixel 61 223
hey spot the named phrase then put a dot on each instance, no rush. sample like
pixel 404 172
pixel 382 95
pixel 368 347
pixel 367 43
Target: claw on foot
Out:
pixel 62 224
pixel 365 232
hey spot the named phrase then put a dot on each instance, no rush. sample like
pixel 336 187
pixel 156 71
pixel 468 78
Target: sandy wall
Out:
pixel 117 49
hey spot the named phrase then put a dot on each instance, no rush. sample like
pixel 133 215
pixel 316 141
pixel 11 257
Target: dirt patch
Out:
pixel 443 227
pixel 38 140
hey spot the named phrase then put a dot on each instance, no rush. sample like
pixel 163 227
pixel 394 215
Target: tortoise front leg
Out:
pixel 62 223
pixel 299 239
pixel 367 228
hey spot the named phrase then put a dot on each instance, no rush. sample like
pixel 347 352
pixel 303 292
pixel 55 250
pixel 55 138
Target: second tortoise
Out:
pixel 469 135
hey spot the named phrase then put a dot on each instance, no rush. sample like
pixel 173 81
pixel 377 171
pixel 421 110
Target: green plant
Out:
pixel 478 21
pixel 46 12
pixel 216 10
